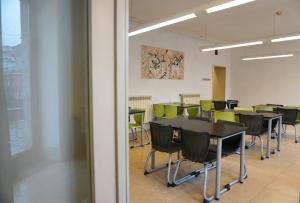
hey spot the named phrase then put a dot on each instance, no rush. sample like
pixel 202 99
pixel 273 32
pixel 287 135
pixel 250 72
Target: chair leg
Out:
pixel 206 198
pixel 296 141
pixel 252 143
pixel 261 148
pixel 147 160
pixel 169 171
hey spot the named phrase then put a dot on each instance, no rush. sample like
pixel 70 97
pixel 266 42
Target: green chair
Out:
pixel 158 111
pixel 225 116
pixel 170 111
pixel 138 124
pixel 193 112
pixel 206 105
pixel 263 108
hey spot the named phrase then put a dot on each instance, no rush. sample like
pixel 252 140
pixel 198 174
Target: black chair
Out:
pixel 266 123
pixel 289 118
pixel 255 127
pixel 162 141
pixel 231 104
pixel 199 118
pixel 195 148
pixel 220 105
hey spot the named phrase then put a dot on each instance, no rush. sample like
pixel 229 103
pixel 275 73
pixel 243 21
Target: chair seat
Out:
pixel 175 147
pixel 134 126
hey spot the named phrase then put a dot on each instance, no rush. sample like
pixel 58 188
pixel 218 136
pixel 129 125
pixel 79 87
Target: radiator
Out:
pixel 190 98
pixel 142 102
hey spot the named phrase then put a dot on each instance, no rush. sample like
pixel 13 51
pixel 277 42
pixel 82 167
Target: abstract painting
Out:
pixel 159 63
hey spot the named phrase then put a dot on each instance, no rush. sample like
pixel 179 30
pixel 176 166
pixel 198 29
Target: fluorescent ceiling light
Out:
pixel 163 24
pixel 233 46
pixel 286 38
pixel 227 5
pixel 268 57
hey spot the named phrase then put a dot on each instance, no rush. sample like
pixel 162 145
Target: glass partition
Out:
pixel 44 128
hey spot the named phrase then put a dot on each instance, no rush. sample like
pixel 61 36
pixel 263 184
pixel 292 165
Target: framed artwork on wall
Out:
pixel 160 63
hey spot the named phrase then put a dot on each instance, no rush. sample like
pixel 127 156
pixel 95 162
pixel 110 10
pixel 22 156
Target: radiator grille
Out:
pixel 190 98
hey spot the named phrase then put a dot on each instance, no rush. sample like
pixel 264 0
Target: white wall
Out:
pixel 266 81
pixel 197 66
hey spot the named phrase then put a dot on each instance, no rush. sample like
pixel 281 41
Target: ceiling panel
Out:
pixel 250 21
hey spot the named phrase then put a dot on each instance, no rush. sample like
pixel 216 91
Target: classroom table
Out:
pixel 268 117
pixel 216 131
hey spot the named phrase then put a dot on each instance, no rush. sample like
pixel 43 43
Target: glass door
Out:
pixel 44 128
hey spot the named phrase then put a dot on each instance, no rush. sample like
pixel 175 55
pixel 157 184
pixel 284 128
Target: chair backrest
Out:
pixel 206 105
pixel 231 104
pixel 298 115
pixel 158 110
pixel 264 108
pixel 220 105
pixel 254 123
pixel 199 118
pixel 138 119
pixel 161 136
pixel 193 111
pixel 289 115
pixel 195 145
pixel 232 143
pixel 244 109
pixel 225 116
pixel 274 122
pixel 170 111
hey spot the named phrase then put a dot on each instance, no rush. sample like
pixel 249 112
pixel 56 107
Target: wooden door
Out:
pixel 219 82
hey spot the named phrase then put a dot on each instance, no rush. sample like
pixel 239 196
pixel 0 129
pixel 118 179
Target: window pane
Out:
pixel 44 142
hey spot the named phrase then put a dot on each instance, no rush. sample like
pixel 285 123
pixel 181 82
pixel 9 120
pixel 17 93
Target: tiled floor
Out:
pixel 274 180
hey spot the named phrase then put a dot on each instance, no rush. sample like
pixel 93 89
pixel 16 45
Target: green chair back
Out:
pixel 225 116
pixel 138 119
pixel 206 105
pixel 263 108
pixel 243 109
pixel 158 110
pixel 193 111
pixel 171 111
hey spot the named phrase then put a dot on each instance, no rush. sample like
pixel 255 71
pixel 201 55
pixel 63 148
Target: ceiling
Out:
pixel 246 22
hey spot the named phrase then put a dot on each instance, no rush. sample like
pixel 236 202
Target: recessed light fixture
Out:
pixel 267 57
pixel 233 46
pixel 163 24
pixel 296 37
pixel 227 5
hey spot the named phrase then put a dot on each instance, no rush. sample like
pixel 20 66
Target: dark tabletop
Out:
pixel 265 114
pixel 136 111
pixel 215 130
pixel 182 105
pixel 281 107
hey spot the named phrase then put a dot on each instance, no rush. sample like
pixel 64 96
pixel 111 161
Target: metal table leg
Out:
pixel 269 138
pixel 218 170
pixel 142 140
pixel 279 133
pixel 242 158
